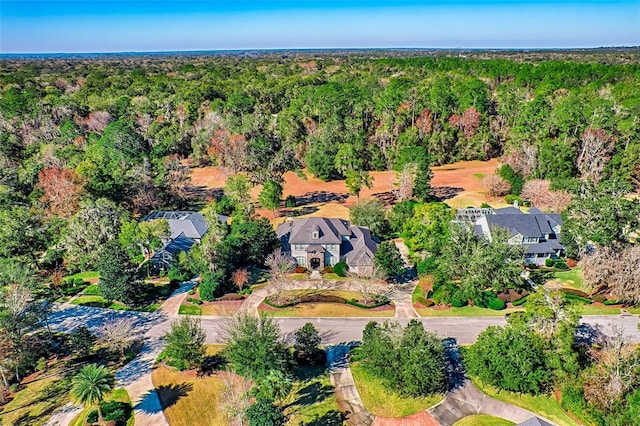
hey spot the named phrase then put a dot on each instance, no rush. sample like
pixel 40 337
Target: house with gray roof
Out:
pixel 317 242
pixel 537 231
pixel 186 229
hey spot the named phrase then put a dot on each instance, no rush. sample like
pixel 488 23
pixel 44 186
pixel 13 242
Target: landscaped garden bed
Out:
pixel 116 406
pixel 223 306
pixel 330 303
pixel 156 291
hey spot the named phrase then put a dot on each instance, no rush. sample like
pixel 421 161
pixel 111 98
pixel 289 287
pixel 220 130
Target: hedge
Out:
pixel 321 298
pixel 497 304
pixel 520 301
pixel 194 301
pixel 611 302
pixel 458 300
pixel 375 305
pixel 573 297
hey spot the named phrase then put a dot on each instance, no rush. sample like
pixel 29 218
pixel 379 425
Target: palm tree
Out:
pixel 91 384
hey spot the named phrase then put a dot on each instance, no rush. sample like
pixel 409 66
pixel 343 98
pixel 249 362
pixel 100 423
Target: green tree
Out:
pixel 91 385
pixel 270 196
pixel 306 344
pixel 255 346
pixel 116 274
pixel 356 180
pixel 185 342
pixel 515 179
pixel 388 258
pixel 372 214
pixel 257 237
pixel 144 237
pixel 238 188
pixel 429 229
pixel 81 341
pixel 511 358
pixel 264 412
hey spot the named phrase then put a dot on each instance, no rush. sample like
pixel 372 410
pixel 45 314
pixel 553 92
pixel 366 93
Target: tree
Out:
pixel 372 214
pixel 240 277
pixel 117 335
pixel 185 341
pixel 21 234
pixel 270 195
pixel 595 152
pixel 235 398
pixel 429 228
pixel 355 180
pixel 116 275
pixel 389 259
pixel 511 358
pixel 81 341
pixel 496 185
pixel 257 238
pixel 264 412
pixel 255 346
pixel 145 236
pixel 91 385
pixel 61 190
pixel 280 264
pixel 612 269
pixel 238 188
pixel 537 192
pixel 306 344
pixel 89 229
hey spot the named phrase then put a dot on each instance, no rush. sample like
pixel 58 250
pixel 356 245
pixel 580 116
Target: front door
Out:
pixel 315 263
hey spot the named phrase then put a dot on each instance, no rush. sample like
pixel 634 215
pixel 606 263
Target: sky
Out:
pixel 28 26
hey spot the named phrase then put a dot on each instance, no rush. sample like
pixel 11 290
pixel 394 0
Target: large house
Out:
pixel 186 229
pixel 317 242
pixel 537 231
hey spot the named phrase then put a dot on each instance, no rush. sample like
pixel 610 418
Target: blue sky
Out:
pixel 28 26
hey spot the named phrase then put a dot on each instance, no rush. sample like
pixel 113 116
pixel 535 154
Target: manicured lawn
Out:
pixel 545 405
pixel 385 402
pixel 34 404
pixel 120 395
pixel 418 292
pixel 86 275
pixel 571 278
pixel 325 310
pixel 483 420
pixel 465 311
pixel 312 400
pixel 593 309
pixel 188 399
pixel 92 290
pixel 190 310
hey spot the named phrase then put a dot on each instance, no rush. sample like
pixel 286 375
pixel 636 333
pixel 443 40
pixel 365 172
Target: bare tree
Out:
pixel 559 201
pixel 496 185
pixel 240 277
pixel 616 371
pixel 367 282
pixel 235 399
pixel 596 148
pixel 280 264
pixel 117 335
pixel 404 185
pixel 537 192
pixel 614 269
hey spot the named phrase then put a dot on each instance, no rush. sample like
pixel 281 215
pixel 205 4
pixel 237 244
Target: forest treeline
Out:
pixel 76 135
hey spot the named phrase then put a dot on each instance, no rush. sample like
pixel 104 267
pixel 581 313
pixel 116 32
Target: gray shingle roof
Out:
pixel 191 224
pixel 508 210
pixel 535 421
pixel 527 225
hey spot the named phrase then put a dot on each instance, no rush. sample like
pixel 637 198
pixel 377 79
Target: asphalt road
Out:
pixel 464 329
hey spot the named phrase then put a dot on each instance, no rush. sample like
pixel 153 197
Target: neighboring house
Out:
pixel 537 231
pixel 186 229
pixel 317 242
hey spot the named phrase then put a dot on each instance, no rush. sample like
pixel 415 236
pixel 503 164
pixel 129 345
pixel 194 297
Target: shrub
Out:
pixel 211 285
pixel 600 298
pixel 427 265
pixel 78 282
pixel 290 202
pixel 328 269
pixel 442 293
pixel 306 350
pixel 427 303
pixel 560 264
pixel 175 274
pixel 81 341
pixel 509 199
pixel 574 298
pixel 341 269
pixel 520 301
pixel 458 300
pixel 497 304
pixel 548 262
pixel 301 270
pixel 185 342
pixel 194 301
pixel 376 303
pixel 611 302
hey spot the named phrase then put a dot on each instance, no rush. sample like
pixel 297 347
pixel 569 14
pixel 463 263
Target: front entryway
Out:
pixel 314 263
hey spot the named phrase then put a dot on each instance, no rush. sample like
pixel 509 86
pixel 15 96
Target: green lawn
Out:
pixel 120 395
pixel 544 405
pixel 465 311
pixel 190 310
pixel 482 420
pixel 599 310
pixel 86 275
pixel 312 401
pixel 384 402
pixel 92 290
pixel 37 401
pixel 571 278
pixel 418 292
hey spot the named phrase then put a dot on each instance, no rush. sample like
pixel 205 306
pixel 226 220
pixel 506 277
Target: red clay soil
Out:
pixel 419 419
pixel 458 183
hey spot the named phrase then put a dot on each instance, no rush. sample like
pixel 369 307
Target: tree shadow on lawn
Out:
pixel 330 418
pixel 446 192
pixel 167 395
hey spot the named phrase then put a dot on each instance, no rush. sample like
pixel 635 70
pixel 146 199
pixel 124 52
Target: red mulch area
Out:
pixel 419 419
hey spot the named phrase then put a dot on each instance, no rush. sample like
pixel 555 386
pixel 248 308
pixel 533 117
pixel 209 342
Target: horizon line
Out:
pixel 284 49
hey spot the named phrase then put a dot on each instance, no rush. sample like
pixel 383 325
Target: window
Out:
pixel 332 260
pixel 301 260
